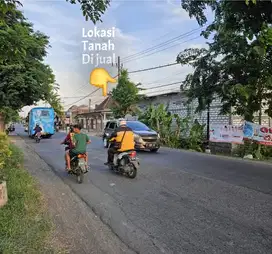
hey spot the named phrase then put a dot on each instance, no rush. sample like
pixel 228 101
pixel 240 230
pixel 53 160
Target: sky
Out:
pixel 147 34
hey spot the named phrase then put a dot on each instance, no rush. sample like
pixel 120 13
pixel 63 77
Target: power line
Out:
pixel 170 76
pixel 182 36
pixel 164 49
pixel 71 104
pixel 153 68
pixel 170 84
pixel 72 97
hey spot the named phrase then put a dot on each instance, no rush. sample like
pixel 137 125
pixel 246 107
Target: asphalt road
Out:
pixel 180 202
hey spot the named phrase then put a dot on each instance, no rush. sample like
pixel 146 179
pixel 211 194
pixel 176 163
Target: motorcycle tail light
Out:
pixel 132 154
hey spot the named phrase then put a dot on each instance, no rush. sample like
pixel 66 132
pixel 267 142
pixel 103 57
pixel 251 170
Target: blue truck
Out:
pixel 43 116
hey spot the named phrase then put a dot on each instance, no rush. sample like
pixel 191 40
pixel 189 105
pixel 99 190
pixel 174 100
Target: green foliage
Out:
pixel 24 78
pixel 125 97
pixel 174 131
pixel 54 100
pixel 260 152
pixel 202 84
pixel 24 224
pixel 195 138
pixel 10 115
pixel 92 9
pixel 4 151
pixel 242 39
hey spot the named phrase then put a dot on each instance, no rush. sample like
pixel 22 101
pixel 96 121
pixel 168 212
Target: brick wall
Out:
pixel 177 105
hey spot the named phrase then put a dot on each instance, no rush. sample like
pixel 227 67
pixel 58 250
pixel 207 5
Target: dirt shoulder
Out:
pixel 77 228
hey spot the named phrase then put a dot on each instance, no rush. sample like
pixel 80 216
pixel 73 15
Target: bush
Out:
pixel 258 151
pixel 5 151
pixel 175 131
pixel 24 224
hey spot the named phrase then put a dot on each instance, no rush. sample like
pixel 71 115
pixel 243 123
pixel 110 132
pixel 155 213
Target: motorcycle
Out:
pixel 38 137
pixel 125 163
pixel 11 128
pixel 78 165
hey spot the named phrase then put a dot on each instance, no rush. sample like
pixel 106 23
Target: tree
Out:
pixel 24 78
pixel 203 83
pixel 91 9
pixel 10 115
pixel 125 97
pixel 242 37
pixel 54 100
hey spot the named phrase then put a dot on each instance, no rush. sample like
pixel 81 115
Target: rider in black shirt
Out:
pixel 37 129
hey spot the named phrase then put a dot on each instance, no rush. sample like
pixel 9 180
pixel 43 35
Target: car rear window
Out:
pixel 137 126
pixel 112 125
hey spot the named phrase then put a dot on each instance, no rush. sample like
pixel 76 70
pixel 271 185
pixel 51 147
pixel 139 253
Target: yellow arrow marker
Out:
pixel 99 77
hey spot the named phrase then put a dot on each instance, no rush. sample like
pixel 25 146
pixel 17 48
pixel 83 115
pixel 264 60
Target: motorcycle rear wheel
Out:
pixel 133 172
pixel 80 177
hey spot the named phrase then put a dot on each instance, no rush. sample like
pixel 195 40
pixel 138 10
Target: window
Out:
pixel 112 125
pixel 107 125
pixel 45 113
pixel 137 126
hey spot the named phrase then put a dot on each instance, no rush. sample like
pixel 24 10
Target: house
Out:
pixel 73 111
pixel 95 119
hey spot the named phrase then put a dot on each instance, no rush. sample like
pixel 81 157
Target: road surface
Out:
pixel 180 202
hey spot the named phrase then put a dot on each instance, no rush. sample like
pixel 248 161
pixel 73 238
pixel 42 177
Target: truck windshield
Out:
pixel 137 126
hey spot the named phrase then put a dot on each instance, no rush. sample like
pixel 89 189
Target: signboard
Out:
pixel 226 133
pixel 261 134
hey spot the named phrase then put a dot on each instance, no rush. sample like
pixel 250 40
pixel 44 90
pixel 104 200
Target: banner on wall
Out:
pixel 226 133
pixel 259 133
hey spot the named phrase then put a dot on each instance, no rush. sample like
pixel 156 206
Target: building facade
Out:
pixel 176 103
pixel 95 119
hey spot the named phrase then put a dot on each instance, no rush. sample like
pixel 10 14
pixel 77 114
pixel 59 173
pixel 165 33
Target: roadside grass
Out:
pixel 24 224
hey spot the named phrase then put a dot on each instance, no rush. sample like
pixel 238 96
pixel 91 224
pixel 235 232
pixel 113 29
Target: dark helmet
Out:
pixel 71 128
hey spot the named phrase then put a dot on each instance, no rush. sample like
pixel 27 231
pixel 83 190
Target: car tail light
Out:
pixel 132 154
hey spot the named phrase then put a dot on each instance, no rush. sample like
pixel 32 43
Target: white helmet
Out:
pixel 122 122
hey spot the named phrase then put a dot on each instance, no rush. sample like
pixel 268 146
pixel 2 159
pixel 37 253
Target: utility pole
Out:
pixel 88 123
pixel 90 101
pixel 119 66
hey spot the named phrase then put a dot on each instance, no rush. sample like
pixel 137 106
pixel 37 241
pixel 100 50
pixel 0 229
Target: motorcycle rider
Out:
pixel 80 141
pixel 37 130
pixel 122 139
pixel 69 141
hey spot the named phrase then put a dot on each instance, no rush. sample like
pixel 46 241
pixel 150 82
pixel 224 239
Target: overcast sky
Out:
pixel 139 25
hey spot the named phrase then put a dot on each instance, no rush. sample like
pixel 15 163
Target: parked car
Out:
pixel 145 138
